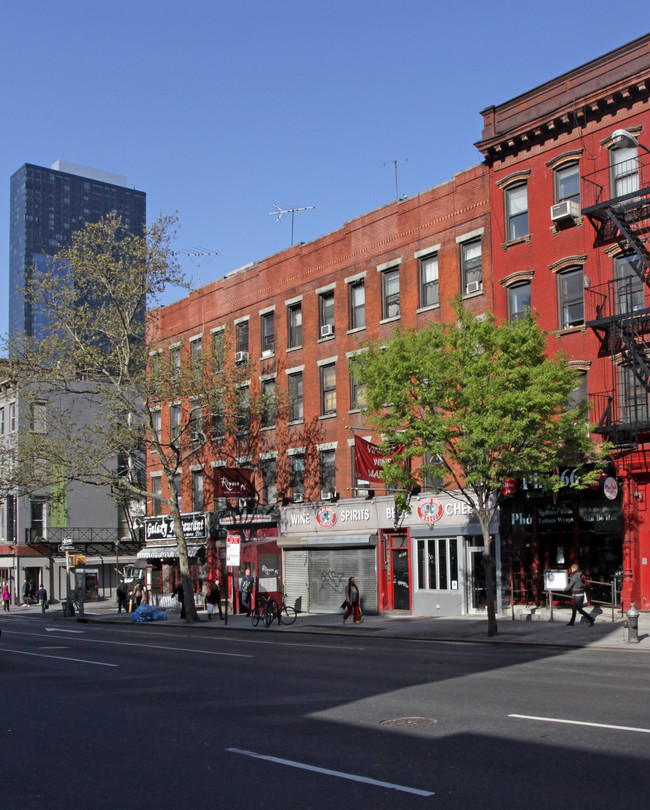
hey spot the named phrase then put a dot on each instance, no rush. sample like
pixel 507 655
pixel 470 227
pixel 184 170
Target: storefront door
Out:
pixel 397 580
pixel 476 593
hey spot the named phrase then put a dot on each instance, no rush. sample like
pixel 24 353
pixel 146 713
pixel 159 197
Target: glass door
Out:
pixel 476 592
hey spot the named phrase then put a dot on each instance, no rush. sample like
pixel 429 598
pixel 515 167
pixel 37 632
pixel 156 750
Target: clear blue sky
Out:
pixel 218 109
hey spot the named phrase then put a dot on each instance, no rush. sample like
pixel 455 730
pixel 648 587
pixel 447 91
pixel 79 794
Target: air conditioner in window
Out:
pixel 267 353
pixel 567 209
pixel 326 495
pixel 298 497
pixel 195 436
pixel 326 330
pixel 241 357
pixel 472 287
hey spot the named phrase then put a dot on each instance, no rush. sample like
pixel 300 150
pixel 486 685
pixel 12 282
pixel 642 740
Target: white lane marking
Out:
pixel 57 630
pixel 339 774
pixel 580 723
pixel 144 646
pixel 60 658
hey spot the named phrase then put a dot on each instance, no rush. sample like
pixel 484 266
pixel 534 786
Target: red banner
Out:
pixel 369 460
pixel 233 482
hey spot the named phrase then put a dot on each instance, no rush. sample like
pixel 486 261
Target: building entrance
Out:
pixel 476 590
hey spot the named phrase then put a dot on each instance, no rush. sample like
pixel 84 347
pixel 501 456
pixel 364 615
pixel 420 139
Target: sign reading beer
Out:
pixel 233 482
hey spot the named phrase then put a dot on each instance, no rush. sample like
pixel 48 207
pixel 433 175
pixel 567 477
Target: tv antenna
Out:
pixel 279 212
pixel 395 163
pixel 198 258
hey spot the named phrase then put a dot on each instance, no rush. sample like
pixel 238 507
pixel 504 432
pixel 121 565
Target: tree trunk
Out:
pixel 184 563
pixel 490 595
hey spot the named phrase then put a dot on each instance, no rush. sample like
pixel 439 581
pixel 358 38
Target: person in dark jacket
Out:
pixel 41 596
pixel 352 598
pixel 214 598
pixel 179 594
pixel 576 585
pixel 122 593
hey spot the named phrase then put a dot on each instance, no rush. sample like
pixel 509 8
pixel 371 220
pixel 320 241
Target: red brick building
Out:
pixel 569 206
pixel 295 318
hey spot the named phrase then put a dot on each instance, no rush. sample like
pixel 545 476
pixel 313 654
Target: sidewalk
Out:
pixel 605 634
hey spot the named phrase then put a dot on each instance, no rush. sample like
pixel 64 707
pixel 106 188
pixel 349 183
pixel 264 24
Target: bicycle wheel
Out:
pixel 255 617
pixel 270 612
pixel 287 615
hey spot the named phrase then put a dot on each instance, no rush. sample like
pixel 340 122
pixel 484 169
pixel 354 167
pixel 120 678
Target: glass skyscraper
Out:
pixel 47 206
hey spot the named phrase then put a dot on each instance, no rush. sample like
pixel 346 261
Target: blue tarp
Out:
pixel 148 613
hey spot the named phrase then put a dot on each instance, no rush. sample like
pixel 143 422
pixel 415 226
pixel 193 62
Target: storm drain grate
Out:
pixel 409 722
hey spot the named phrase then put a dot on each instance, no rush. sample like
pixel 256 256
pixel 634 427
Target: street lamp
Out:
pixel 622 138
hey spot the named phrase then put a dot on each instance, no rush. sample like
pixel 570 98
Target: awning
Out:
pixel 333 539
pixel 166 552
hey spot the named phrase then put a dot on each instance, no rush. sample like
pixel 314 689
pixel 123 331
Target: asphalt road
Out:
pixel 161 716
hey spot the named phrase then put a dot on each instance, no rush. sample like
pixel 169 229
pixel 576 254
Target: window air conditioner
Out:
pixel 241 357
pixel 326 495
pixel 298 498
pixel 267 353
pixel 567 209
pixel 195 436
pixel 326 330
pixel 472 287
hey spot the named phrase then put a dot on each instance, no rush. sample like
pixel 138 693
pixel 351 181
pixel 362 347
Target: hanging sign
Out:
pixel 233 546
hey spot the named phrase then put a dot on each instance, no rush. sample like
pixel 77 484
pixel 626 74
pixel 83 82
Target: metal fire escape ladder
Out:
pixel 637 347
pixel 625 225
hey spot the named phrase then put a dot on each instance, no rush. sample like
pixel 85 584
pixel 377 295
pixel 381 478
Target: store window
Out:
pixel 437 564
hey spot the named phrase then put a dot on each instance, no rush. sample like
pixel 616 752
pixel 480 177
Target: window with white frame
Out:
pixel 196 425
pixel 357 394
pixel 197 490
pixel 624 170
pixel 566 182
pixel 12 417
pixel 2 421
pixel 390 301
pixel 175 361
pixel 196 350
pixel 269 481
pixel 294 319
pixel 471 266
pixel 429 293
pixel 326 313
pixel 327 472
pixel 241 337
pixel 297 476
pixel 243 410
pixel 218 348
pixel 516 201
pixel 267 387
pixel 437 564
pixel 570 287
pixel 267 324
pixel 628 275
pixel 156 489
pixel 357 293
pixel 175 416
pixel 328 389
pixel 156 424
pixel 218 422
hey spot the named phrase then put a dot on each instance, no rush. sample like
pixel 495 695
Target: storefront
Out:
pixel 424 563
pixel 543 532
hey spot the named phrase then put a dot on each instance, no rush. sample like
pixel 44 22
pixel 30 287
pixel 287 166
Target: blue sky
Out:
pixel 218 109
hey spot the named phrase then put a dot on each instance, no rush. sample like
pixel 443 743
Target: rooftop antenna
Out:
pixel 394 163
pixel 198 258
pixel 280 211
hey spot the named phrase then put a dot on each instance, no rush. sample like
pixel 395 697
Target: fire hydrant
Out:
pixel 632 624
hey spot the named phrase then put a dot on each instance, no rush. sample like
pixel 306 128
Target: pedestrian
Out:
pixel 576 585
pixel 136 595
pixel 352 600
pixel 214 598
pixel 179 594
pixel 246 591
pixel 6 598
pixel 27 592
pixel 122 592
pixel 41 598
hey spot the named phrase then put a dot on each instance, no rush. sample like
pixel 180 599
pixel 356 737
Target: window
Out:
pixel 471 265
pixel 295 397
pixel 196 425
pixel 294 316
pixel 519 300
pixel 268 403
pixel 156 424
pixel 328 389
pixel 175 361
pixel 566 181
pixel 196 348
pixel 268 332
pixel 241 337
pixel 431 480
pixel 269 481
pixel 218 349
pixel 390 293
pixel 580 393
pixel 197 490
pixel 437 564
pixel 218 422
pixel 632 398
pixel 297 473
pixel 429 281
pixel 243 410
pixel 629 284
pixel 570 298
pixel 517 211
pixel 175 422
pixel 156 489
pixel 357 293
pixel 327 472
pixel 12 417
pixel 326 307
pixel 2 421
pixel 624 169
pixel 38 420
pixel 357 394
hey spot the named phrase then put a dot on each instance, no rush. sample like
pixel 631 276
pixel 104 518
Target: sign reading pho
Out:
pixel 161 527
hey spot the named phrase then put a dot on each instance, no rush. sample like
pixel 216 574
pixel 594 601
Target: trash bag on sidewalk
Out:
pixel 148 613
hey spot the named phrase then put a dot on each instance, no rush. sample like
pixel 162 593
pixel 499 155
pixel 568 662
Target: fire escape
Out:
pixel 616 200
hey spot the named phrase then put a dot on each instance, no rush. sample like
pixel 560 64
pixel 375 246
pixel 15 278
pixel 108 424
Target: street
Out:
pixel 169 716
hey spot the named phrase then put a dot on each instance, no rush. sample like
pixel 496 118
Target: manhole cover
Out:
pixel 409 722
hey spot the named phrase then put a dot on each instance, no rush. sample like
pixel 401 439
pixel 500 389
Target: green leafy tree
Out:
pixel 101 371
pixel 478 401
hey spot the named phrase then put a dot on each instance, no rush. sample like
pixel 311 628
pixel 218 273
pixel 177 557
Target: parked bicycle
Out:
pixel 259 610
pixel 285 614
